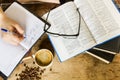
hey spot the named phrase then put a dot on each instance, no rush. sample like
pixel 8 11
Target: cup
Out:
pixel 43 58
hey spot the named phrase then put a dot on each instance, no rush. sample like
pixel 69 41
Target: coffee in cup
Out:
pixel 43 57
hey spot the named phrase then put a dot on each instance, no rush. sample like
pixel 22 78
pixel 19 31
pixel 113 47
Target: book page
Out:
pixel 10 56
pixel 31 24
pixel 101 19
pixel 65 19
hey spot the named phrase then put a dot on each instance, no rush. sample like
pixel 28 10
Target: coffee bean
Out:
pixel 33 62
pixel 17 79
pixel 30 73
pixel 44 69
pixel 40 73
pixel 24 64
pixel 50 69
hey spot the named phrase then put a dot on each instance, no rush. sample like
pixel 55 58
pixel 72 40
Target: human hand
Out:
pixel 32 1
pixel 117 1
pixel 12 26
pixel 1 78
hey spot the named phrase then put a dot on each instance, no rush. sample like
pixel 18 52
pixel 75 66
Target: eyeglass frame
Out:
pixel 57 34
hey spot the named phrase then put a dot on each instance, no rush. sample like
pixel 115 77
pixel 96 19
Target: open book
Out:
pixel 99 23
pixel 11 55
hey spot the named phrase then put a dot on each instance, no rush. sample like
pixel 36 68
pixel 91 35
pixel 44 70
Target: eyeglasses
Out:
pixel 46 28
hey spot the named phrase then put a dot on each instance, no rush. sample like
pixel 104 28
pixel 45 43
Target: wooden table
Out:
pixel 80 67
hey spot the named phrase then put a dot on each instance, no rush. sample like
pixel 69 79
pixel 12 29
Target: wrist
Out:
pixel 1 16
pixel 1 13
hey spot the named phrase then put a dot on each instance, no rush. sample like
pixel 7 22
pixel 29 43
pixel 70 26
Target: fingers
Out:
pixel 15 32
pixel 19 28
pixel 12 39
pixel 119 1
pixel 15 25
pixel 17 38
pixel 1 78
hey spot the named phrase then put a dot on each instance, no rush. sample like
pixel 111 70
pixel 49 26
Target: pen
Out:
pixel 5 30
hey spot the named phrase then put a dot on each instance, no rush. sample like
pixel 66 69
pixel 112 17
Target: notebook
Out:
pixel 11 55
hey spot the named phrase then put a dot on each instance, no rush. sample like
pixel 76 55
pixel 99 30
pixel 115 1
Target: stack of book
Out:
pixel 106 51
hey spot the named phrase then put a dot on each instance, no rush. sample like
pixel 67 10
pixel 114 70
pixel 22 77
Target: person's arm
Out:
pixel 1 12
pixel 31 1
pixel 12 26
pixel 1 78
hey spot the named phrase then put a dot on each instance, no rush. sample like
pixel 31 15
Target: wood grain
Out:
pixel 80 67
